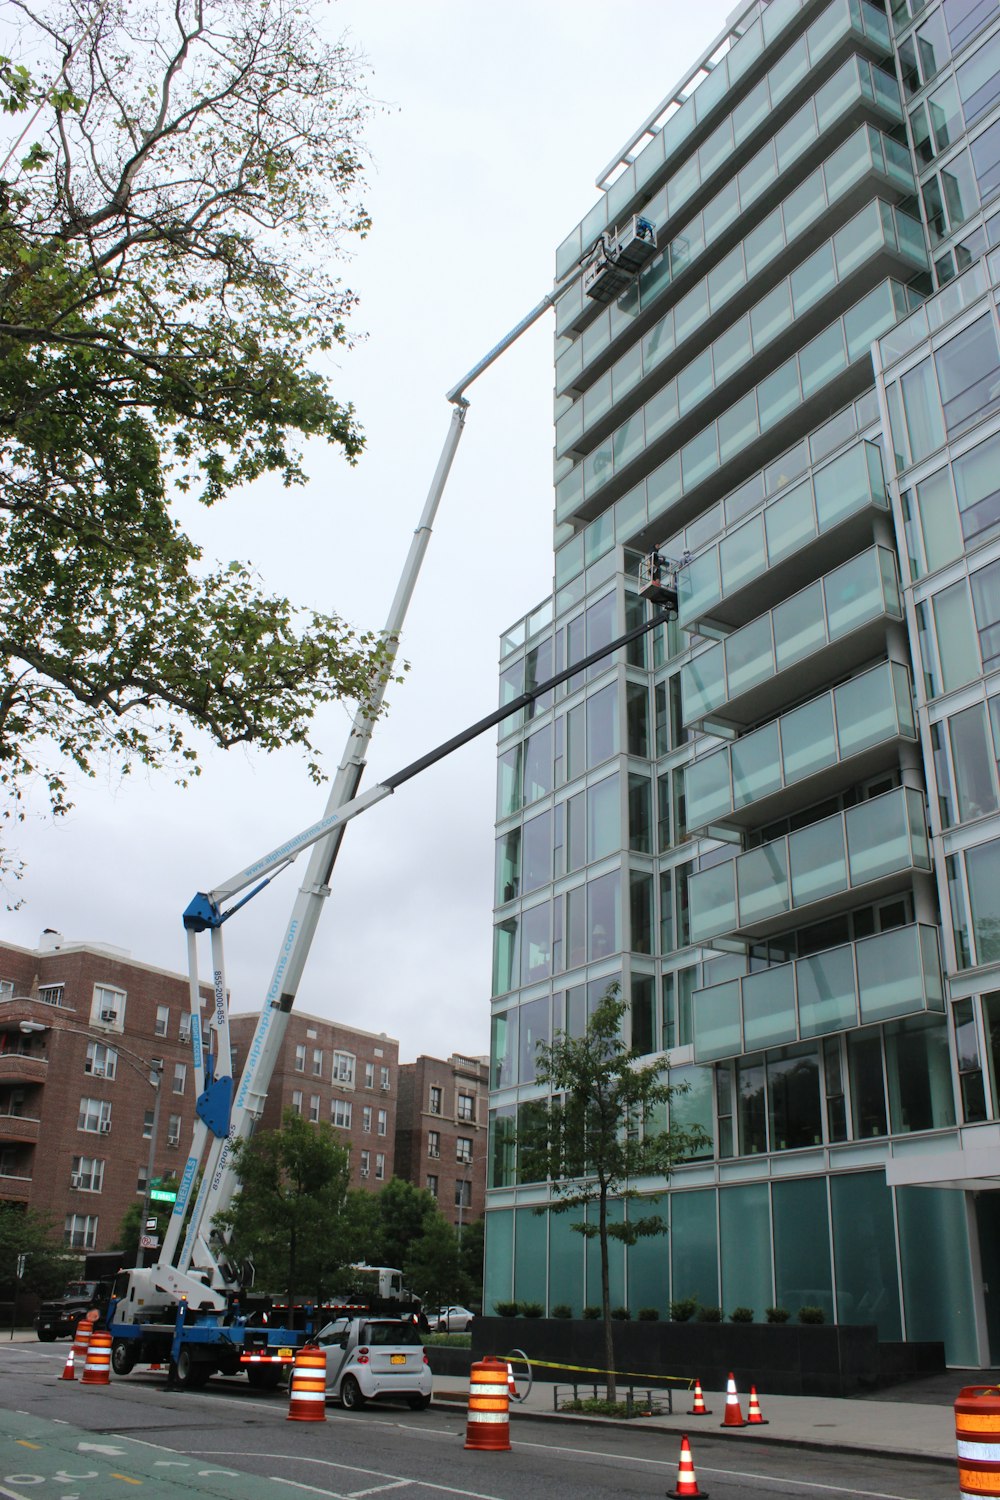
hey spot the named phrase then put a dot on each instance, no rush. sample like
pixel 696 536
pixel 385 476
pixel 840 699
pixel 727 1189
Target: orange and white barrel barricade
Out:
pixel 977 1433
pixel 97 1370
pixel 81 1337
pixel 307 1390
pixel 488 1424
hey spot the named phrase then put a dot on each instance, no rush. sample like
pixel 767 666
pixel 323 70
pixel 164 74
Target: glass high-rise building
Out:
pixel 776 821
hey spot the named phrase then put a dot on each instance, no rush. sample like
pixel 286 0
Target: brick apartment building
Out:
pixel 327 1071
pixel 76 1100
pixel 441 1132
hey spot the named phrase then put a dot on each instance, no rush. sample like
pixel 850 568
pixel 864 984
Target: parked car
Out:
pixel 452 1320
pixel 373 1359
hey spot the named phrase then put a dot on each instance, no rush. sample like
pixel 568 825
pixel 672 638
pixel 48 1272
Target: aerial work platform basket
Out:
pixel 618 256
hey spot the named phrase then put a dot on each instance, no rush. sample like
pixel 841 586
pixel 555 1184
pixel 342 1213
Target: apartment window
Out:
pixel 369 1075
pixel 463 1148
pixel 433 1143
pixel 142 1180
pixel 147 1125
pixel 87 1174
pixel 314 1108
pixel 380 1165
pixel 384 1078
pixel 343 1067
pixel 6 989
pixel 80 1231
pixel 108 1008
pixel 366 1164
pixel 435 1105
pixel 180 1077
pixel 463 1194
pixel 466 1107
pixel 162 1020
pixel 297 1101
pixel 95 1115
pixel 101 1061
pixel 300 1058
pixel 383 1121
pixel 173 1130
pixel 317 1062
pixel 184 1026
pixel 51 994
pixel 342 1111
pixel 366 1118
pixel 432 1183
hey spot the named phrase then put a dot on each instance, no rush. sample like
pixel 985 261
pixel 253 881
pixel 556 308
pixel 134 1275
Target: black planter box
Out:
pixel 785 1359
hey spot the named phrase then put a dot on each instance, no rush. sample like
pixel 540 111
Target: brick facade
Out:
pixel 441 1132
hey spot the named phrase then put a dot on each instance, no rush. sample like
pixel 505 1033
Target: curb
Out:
pixel 447 1400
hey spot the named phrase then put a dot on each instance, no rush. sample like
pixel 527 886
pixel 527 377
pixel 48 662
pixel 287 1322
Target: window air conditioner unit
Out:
pixel 173 1140
pixel 385 1088
pixel 97 1069
pixel 433 1151
pixel 105 1127
pixel 75 1180
pixel 363 1171
pixel 109 1015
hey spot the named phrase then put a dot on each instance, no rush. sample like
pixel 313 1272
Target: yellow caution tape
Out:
pixel 549 1364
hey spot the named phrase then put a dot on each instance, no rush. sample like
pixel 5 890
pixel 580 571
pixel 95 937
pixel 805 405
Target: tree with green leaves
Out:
pixel 133 1223
pixel 181 181
pixel 599 1131
pixel 404 1213
pixel 432 1266
pixel 472 1254
pixel 48 1265
pixel 289 1216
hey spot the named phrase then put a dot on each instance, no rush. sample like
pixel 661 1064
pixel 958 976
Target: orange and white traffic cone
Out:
pixel 511 1387
pixel 69 1372
pixel 699 1409
pixel 755 1417
pixel 687 1484
pixel 734 1413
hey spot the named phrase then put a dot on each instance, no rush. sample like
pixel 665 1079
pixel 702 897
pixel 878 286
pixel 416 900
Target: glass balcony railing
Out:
pixel 732 672
pixel 881 978
pixel 835 861
pixel 732 785
pixel 851 483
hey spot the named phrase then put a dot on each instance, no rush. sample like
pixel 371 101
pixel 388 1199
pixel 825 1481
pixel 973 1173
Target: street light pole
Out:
pixel 149 1068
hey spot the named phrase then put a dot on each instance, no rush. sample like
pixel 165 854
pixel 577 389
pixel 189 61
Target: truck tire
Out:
pixel 351 1398
pixel 123 1357
pixel 191 1375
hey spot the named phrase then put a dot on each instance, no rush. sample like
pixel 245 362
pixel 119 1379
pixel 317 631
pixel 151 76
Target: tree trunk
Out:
pixel 609 1343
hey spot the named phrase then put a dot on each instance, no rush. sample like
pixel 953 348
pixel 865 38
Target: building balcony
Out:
pixel 861 855
pixel 14 1189
pixel 821 632
pixel 754 566
pixel 815 751
pixel 22 1128
pixel 19 1067
pixel 881 978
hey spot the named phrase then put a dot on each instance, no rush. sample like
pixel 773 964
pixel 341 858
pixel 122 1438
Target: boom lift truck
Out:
pixel 191 1309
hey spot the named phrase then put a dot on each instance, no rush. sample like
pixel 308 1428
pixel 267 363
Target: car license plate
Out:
pixel 397 1359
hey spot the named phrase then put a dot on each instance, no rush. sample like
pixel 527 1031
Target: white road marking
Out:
pixel 327 1463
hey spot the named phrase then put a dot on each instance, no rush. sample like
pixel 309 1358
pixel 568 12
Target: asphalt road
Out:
pixel 134 1437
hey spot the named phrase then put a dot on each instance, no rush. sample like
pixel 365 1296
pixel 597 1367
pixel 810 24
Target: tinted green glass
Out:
pixel 818 862
pixel 799 627
pixel 717 1021
pixel 756 765
pixel 826 992
pixel 707 790
pixel 789 522
pixel 694 1248
pixel 803 1274
pixel 878 840
pixel 807 741
pixel 745 1247
pixel 762 882
pixel 498 1274
pixel 768 1008
pixel 864 1251
pixel 934 1251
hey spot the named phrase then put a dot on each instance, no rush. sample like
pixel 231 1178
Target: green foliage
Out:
pixel 472 1253
pixel 683 1309
pixel 166 294
pixel 776 1314
pixel 812 1315
pixel 649 1315
pixel 598 1132
pixel 431 1266
pixel 741 1315
pixel 48 1264
pixel 289 1217
pixel 592 1313
pixel 710 1315
pixel 133 1224
pixel 621 1314
pixel 562 1310
pixel 404 1213
pixel 530 1309
pixel 508 1309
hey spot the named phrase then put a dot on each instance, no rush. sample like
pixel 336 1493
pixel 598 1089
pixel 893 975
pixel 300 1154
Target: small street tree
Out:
pixel 404 1212
pixel 597 1133
pixel 288 1217
pixel 48 1265
pixel 432 1268
pixel 133 1224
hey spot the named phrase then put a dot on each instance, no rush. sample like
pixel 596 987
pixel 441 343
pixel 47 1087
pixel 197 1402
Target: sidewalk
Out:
pixel 913 1430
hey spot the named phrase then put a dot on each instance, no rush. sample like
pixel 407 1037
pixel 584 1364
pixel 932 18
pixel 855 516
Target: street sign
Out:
pixel 155 1181
pixel 152 1223
pixel 160 1195
pixel 149 1242
pixel 20 1265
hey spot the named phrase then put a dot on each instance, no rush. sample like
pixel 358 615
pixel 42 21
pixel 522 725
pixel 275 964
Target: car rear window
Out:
pixel 396 1332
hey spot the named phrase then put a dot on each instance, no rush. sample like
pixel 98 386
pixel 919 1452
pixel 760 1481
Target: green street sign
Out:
pixel 155 1181
pixel 160 1195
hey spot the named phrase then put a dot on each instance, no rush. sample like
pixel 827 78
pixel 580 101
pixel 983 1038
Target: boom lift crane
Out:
pixel 184 1302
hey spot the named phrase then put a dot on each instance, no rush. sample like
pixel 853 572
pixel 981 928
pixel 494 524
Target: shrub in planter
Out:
pixel 623 1314
pixel 777 1314
pixel 649 1315
pixel 741 1315
pixel 562 1310
pixel 531 1309
pixel 710 1315
pixel 591 1312
pixel 812 1315
pixel 684 1309
pixel 508 1309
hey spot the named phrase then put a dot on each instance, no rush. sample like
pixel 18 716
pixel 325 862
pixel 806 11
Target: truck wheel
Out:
pixel 191 1375
pixel 266 1379
pixel 351 1398
pixel 122 1357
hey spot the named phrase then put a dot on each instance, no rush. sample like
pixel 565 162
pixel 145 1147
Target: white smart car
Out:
pixel 374 1359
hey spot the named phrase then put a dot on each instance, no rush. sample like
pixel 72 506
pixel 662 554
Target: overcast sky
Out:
pixel 502 117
